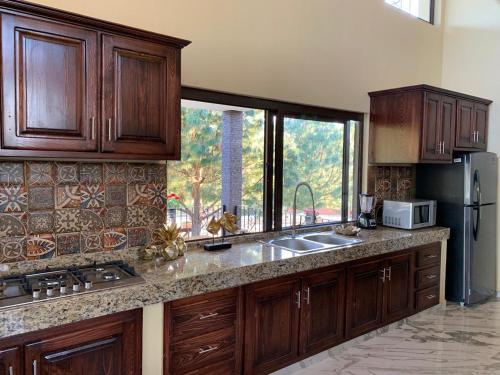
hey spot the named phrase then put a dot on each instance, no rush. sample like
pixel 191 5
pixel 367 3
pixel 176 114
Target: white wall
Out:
pixel 321 52
pixel 471 60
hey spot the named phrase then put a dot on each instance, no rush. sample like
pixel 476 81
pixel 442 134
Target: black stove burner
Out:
pixel 108 276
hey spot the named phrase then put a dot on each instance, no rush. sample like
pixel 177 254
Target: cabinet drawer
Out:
pixel 212 349
pixel 429 255
pixel 221 368
pixel 191 320
pixel 427 298
pixel 427 277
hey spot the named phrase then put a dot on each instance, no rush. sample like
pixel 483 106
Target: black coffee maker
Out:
pixel 366 219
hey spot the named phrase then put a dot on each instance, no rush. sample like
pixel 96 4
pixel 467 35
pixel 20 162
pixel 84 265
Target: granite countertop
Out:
pixel 196 273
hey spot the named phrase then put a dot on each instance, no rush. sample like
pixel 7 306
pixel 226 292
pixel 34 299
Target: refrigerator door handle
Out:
pixel 476 223
pixel 477 187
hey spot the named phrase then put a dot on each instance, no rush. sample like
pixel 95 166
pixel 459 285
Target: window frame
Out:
pixel 432 11
pixel 273 144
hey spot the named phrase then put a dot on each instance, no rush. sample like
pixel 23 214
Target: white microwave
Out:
pixel 411 214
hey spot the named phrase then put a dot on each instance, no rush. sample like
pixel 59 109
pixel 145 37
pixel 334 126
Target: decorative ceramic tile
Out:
pixel 155 217
pixel 13 198
pixel 115 239
pixel 42 246
pixel 115 173
pixel 68 196
pixel 137 174
pixel 67 220
pixel 138 236
pixel 40 198
pixel 41 222
pixel 11 173
pixel 158 193
pixel 68 173
pixel 12 249
pixel 116 217
pixel 139 194
pixel 68 243
pixel 11 226
pixel 92 220
pixel 41 173
pixel 92 196
pixel 136 216
pixel 116 195
pixel 91 173
pixel 157 173
pixel 91 242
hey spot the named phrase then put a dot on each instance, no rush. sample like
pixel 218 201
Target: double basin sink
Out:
pixel 312 242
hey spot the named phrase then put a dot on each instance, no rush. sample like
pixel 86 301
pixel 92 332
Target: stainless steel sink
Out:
pixel 312 242
pixel 331 239
pixel 295 244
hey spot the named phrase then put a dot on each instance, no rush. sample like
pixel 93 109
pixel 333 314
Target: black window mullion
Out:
pixel 269 169
pixel 278 173
pixel 345 172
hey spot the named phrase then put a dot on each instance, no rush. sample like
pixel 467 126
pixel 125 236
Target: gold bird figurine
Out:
pixel 228 222
pixel 213 226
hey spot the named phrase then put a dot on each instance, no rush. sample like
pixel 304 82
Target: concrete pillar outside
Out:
pixel 232 159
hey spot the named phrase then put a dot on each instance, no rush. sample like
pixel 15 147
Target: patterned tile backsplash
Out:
pixel 390 182
pixel 56 208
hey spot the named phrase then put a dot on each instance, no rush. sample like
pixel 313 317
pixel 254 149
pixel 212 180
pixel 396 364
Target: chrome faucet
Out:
pixel 294 225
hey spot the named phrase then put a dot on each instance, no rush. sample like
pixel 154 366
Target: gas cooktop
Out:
pixel 58 283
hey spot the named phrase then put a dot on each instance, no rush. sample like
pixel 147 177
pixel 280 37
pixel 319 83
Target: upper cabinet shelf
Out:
pixel 425 124
pixel 77 87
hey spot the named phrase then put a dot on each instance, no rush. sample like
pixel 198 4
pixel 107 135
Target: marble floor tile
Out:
pixel 444 340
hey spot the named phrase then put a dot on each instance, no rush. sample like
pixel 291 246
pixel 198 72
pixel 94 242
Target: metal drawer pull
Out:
pixel 35 367
pixel 389 272
pixel 11 370
pixel 430 277
pixel 210 348
pixel 308 295
pixel 431 296
pixel 209 315
pixel 431 256
pixel 109 129
pixel 383 275
pixel 297 301
pixel 92 128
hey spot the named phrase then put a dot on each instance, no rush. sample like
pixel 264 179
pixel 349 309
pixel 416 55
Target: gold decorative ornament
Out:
pixel 213 227
pixel 172 246
pixel 228 222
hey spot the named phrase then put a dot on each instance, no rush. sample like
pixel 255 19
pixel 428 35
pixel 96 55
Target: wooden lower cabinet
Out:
pixel 10 361
pixel 111 345
pixel 398 301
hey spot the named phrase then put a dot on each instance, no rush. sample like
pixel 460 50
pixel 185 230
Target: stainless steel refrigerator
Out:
pixel 466 194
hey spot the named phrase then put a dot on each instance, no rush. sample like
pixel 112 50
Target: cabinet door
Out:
pixel 464 137
pixel 10 361
pixel 271 326
pixel 448 110
pixel 481 125
pixel 364 297
pixel 141 98
pixel 322 316
pixel 431 136
pixel 49 86
pixel 397 296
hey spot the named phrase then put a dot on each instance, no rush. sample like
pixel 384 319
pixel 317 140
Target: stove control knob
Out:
pixel 76 287
pixel 88 284
pixel 62 288
pixel 50 291
pixel 36 293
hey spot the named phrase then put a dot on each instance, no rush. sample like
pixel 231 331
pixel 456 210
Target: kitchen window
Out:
pixel 423 9
pixel 246 155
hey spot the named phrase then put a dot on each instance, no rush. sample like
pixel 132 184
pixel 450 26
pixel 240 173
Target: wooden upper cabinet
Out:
pixel 49 85
pixel 77 87
pixel 141 101
pixel 425 124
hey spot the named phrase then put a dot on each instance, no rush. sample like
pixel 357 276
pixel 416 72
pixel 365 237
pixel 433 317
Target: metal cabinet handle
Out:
pixel 109 129
pixel 430 256
pixel 35 367
pixel 389 272
pixel 210 348
pixel 92 128
pixel 431 296
pixel 383 275
pixel 308 295
pixel 430 277
pixel 297 301
pixel 11 370
pixel 209 315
